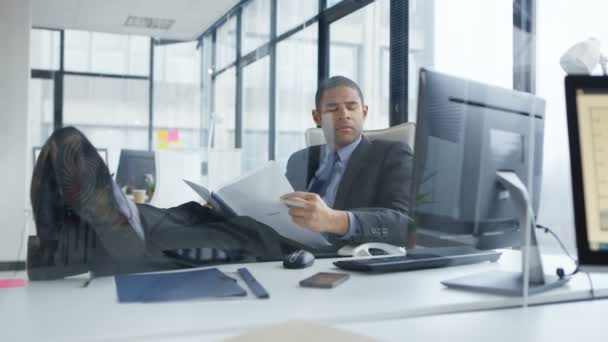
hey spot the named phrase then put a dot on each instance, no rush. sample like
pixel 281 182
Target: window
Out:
pixel 256 25
pixel 291 13
pixel 359 43
pixel 45 48
pixel 296 86
pixel 255 114
pixel 331 3
pixel 222 121
pixel 475 46
pixel 586 19
pixel 177 95
pixel 451 37
pixel 107 53
pixel 225 44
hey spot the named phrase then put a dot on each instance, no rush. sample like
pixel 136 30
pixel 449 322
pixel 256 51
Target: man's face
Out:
pixel 341 116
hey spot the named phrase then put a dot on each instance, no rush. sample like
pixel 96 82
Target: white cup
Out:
pixel 139 195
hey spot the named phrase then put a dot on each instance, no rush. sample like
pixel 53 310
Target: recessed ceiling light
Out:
pixel 149 23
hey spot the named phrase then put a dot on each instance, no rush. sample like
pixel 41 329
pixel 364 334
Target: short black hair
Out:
pixel 333 82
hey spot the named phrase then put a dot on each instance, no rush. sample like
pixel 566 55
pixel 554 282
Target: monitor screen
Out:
pixel 465 132
pixel 587 109
pixel 132 168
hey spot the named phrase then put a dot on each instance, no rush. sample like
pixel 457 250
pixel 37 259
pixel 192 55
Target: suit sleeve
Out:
pixel 387 220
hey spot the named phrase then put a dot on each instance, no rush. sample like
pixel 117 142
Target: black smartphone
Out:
pixel 325 280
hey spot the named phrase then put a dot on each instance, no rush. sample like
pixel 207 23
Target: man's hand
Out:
pixel 312 213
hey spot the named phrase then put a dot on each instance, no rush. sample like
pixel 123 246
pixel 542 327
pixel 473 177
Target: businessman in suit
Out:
pixel 353 189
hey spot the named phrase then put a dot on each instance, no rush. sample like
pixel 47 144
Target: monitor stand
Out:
pixel 532 279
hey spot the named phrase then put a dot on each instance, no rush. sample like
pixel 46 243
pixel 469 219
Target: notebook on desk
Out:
pixel 420 259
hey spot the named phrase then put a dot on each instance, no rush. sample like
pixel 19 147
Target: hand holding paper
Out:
pixel 308 210
pixel 294 202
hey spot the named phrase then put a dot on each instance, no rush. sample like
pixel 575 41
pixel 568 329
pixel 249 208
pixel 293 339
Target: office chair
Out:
pixel 403 132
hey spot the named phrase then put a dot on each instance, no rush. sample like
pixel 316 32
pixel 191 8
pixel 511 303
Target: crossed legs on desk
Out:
pixel 82 222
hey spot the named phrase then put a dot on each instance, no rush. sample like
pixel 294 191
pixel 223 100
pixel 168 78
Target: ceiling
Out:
pixel 192 17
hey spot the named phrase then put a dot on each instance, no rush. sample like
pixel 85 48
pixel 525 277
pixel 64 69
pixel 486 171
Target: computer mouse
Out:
pixel 377 251
pixel 299 259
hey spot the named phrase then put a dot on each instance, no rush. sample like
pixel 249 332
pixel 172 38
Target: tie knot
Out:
pixel 334 158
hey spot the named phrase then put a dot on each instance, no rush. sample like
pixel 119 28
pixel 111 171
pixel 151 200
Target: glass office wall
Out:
pixel 296 87
pixel 255 114
pixel 177 96
pixel 586 19
pixel 359 48
pixel 451 37
pixel 112 113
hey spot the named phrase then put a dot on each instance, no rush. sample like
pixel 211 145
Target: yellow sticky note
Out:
pixel 162 135
pixel 163 145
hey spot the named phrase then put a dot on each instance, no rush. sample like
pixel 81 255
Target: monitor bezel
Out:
pixel 586 256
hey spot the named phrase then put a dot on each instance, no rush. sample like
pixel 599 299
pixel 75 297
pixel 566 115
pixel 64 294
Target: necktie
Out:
pixel 319 183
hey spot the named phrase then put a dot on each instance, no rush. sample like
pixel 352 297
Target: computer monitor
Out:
pixel 133 166
pixel 587 112
pixel 466 131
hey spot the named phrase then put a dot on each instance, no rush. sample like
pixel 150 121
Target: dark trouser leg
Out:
pixel 191 225
pixel 79 223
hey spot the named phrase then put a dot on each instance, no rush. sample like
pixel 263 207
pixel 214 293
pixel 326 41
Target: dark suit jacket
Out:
pixel 375 187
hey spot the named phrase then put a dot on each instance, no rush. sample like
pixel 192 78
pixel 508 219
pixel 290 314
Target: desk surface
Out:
pixel 64 311
pixel 579 321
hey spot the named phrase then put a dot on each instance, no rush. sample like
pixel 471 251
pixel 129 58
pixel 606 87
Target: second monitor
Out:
pixel 465 132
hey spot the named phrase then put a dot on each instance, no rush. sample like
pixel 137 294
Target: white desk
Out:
pixel 579 321
pixel 63 311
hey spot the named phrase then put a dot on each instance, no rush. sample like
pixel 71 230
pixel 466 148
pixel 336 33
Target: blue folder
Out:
pixel 174 286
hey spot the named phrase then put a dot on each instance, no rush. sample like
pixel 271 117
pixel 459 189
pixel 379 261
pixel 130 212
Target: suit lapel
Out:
pixel 314 159
pixel 355 164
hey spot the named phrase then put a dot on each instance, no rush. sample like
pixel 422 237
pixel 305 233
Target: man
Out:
pixel 84 222
pixel 353 189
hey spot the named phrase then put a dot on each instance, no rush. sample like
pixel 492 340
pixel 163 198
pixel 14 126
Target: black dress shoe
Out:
pixel 74 207
pixel 74 250
pixel 43 263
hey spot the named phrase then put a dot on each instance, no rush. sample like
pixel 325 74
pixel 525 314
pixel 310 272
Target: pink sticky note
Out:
pixel 173 135
pixel 11 283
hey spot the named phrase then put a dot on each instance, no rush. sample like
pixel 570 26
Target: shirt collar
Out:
pixel 345 152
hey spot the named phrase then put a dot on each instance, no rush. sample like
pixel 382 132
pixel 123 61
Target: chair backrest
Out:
pixel 403 132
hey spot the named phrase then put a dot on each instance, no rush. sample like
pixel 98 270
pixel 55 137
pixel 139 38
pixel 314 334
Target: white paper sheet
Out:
pixel 258 195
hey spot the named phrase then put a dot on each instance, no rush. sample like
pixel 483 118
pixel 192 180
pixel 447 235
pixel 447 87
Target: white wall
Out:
pixel 15 23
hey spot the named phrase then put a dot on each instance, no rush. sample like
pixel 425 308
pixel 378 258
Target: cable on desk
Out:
pixel 548 230
pixel 560 271
pixel 592 291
